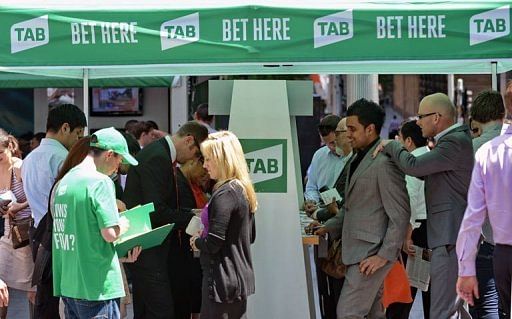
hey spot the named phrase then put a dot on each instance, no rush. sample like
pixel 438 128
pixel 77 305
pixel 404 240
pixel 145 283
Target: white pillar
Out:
pixel 179 104
pixel 362 86
pixel 494 76
pixel 86 100
pixel 450 79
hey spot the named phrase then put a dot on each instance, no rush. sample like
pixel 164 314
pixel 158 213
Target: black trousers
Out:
pixel 46 306
pixel 152 297
pixel 503 274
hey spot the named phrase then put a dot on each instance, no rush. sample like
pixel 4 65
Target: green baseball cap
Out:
pixel 112 140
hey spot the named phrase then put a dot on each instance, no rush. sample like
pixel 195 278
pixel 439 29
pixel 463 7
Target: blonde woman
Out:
pixel 225 243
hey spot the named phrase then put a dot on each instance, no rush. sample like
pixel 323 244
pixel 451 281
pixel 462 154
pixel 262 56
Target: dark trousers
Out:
pixel 46 306
pixel 503 273
pixel 402 310
pixel 152 298
pixel 487 306
pixel 329 291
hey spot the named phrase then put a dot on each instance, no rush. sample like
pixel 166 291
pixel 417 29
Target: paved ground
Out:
pixel 18 307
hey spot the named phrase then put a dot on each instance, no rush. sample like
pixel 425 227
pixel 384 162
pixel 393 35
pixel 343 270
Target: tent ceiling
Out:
pixel 154 38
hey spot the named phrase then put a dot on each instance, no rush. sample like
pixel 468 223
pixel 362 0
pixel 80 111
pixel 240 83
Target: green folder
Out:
pixel 139 220
pixel 146 240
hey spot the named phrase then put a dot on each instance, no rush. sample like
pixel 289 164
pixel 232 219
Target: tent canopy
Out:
pixel 153 39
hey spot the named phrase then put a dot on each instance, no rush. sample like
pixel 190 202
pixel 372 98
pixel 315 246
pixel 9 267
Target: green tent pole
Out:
pixel 86 100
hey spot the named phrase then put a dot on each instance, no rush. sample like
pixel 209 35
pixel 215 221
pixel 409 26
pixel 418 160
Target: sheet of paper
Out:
pixel 328 195
pixel 418 269
pixel 139 220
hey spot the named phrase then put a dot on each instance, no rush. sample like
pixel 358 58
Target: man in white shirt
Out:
pixel 410 136
pixel 64 126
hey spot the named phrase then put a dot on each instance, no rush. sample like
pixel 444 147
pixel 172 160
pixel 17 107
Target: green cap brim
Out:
pixel 128 159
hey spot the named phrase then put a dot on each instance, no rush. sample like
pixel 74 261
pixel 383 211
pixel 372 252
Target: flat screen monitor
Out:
pixel 116 101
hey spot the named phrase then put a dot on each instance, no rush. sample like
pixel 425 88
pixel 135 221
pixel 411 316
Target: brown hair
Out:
pixel 75 156
pixel 10 142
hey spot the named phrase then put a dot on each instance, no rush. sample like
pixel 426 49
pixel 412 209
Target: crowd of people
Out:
pixel 63 207
pixel 431 187
pixel 439 186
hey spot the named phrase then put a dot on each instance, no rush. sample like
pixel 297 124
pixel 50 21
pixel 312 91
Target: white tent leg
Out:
pixel 86 100
pixel 451 86
pixel 494 75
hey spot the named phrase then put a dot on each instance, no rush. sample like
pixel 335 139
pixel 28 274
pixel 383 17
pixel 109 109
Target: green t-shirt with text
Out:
pixel 85 266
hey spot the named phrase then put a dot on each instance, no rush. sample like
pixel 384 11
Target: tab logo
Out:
pixel 333 28
pixel 30 34
pixel 180 31
pixel 266 160
pixel 489 25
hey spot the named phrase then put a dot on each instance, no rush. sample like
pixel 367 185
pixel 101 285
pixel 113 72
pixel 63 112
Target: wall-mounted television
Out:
pixel 116 102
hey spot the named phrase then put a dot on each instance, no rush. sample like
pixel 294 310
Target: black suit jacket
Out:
pixel 153 180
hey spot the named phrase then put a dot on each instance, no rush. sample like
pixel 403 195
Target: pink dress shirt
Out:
pixel 490 193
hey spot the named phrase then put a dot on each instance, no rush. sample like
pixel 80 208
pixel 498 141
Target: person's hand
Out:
pixel 333 207
pixel 124 224
pixel 4 294
pixel 380 147
pixel 467 287
pixel 121 206
pixel 371 264
pixel 310 206
pixel 4 206
pixel 193 242
pixel 132 255
pixel 31 295
pixel 408 248
pixel 14 208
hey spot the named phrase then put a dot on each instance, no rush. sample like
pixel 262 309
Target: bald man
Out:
pixel 447 174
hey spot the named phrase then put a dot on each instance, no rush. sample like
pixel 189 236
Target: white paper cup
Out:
pixel 194 226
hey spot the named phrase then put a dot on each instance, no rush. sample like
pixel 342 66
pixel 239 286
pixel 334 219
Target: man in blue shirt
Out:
pixel 64 126
pixel 326 164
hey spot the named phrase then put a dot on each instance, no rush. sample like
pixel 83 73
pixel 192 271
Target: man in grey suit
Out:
pixel 447 173
pixel 374 218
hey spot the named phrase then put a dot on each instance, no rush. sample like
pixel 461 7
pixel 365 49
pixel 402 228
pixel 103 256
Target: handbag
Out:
pixel 332 265
pixel 19 231
pixel 396 285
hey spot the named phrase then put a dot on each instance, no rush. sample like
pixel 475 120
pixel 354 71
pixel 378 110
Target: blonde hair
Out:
pixel 224 150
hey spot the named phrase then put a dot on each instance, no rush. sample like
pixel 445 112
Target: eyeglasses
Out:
pixel 420 116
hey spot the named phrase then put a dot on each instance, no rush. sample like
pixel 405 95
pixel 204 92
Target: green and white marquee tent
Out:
pixel 152 39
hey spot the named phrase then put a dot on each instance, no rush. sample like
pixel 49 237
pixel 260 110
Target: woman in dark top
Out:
pixel 229 230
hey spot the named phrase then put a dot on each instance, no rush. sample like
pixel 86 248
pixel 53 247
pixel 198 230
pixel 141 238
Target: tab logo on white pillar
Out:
pixel 489 25
pixel 333 28
pixel 179 31
pixel 30 34
pixel 266 160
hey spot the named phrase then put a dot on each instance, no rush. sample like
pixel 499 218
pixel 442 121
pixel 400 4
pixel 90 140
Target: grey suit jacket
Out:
pixel 376 211
pixel 447 173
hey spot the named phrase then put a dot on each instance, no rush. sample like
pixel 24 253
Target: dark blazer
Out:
pixel 226 250
pixel 447 173
pixel 153 180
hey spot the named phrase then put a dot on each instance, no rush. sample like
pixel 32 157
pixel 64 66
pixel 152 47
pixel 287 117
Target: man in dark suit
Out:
pixel 447 173
pixel 374 218
pixel 154 180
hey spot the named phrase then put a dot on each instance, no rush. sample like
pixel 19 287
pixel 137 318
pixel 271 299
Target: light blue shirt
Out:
pixel 324 170
pixel 38 171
